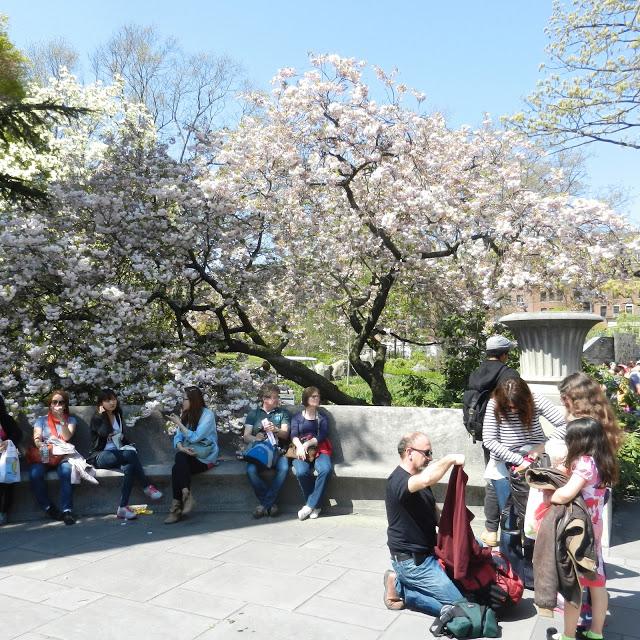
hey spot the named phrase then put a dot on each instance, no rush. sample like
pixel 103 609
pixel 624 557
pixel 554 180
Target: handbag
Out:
pixel 34 455
pixel 262 453
pixel 9 464
pixel 314 451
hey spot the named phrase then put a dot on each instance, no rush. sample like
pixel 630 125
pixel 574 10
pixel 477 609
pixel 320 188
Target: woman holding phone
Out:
pixel 107 452
pixel 196 444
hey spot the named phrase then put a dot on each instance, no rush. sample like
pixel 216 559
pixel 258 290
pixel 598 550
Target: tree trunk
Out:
pixel 295 371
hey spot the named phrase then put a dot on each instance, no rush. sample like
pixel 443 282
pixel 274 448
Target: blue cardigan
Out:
pixel 205 430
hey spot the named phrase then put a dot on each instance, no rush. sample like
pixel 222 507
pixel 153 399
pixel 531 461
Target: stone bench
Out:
pixel 364 441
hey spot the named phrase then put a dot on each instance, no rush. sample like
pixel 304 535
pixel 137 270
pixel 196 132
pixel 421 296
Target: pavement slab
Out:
pixel 224 575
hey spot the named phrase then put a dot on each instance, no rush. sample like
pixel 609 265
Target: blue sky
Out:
pixel 469 57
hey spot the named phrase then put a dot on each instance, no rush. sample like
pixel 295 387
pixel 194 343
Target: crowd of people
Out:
pixel 512 437
pixel 514 440
pixel 301 440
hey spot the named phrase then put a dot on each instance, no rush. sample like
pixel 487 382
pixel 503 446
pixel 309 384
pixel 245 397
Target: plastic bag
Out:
pixel 10 464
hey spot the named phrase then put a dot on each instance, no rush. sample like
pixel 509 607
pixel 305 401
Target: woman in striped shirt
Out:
pixel 512 423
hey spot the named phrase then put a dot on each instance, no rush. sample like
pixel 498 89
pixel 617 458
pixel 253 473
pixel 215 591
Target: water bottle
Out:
pixel 44 453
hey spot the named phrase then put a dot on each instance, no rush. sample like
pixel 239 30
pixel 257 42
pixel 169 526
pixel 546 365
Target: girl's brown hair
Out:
pixel 191 416
pixel 307 393
pixel 514 396
pixel 584 397
pixel 586 437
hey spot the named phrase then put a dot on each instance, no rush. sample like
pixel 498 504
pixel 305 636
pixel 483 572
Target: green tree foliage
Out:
pixel 593 90
pixel 22 124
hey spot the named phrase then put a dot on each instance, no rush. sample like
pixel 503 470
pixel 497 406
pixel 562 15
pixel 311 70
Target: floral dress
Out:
pixel 594 496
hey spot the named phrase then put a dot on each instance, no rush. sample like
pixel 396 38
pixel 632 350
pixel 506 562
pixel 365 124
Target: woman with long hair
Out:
pixel 310 435
pixel 196 444
pixel 583 397
pixel 511 426
pixel 56 424
pixel 107 452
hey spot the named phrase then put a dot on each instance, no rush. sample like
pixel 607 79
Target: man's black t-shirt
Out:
pixel 411 516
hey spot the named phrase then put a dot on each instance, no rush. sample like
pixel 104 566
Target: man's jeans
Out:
pixel 425 587
pixel 128 461
pixel 267 494
pixel 37 473
pixel 313 488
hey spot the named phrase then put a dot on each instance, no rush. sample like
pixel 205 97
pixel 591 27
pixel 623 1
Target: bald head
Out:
pixel 409 440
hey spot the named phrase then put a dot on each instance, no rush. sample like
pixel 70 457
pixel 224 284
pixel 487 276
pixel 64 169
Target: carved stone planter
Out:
pixel 550 346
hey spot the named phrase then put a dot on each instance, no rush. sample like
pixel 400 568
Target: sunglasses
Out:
pixel 427 453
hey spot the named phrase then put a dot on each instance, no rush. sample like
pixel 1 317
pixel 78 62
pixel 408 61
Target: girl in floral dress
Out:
pixel 593 467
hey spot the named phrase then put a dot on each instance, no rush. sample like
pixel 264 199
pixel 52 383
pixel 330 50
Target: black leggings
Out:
pixel 6 497
pixel 183 468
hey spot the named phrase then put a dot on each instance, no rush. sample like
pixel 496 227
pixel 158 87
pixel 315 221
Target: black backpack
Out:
pixel 474 406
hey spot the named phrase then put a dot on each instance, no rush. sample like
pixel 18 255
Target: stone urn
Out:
pixel 550 345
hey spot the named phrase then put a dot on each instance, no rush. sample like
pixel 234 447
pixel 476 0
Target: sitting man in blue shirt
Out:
pixel 269 417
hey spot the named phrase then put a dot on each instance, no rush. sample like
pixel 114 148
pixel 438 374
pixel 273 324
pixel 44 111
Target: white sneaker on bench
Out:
pixel 305 512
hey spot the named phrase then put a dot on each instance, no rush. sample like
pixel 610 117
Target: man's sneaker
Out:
pixel 273 510
pixel 314 514
pixel 68 518
pixel 305 512
pixel 3 518
pixel 152 492
pixel 490 538
pixel 259 512
pixel 126 514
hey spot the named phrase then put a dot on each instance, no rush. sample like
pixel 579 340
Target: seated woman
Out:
pixel 56 424
pixel 9 430
pixel 310 431
pixel 196 444
pixel 107 438
pixel 269 417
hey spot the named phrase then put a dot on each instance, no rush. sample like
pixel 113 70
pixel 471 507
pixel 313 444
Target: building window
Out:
pixel 543 296
pixel 586 306
pixel 603 310
pixel 616 310
pixel 628 308
pixel 519 299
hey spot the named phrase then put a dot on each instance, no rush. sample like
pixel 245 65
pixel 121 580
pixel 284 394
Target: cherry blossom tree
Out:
pixel 141 268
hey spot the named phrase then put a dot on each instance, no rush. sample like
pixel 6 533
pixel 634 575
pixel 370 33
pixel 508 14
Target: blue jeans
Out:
pixel 37 472
pixel 425 587
pixel 313 487
pixel 511 544
pixel 128 461
pixel 268 493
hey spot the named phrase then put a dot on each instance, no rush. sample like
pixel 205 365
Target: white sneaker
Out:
pixel 314 514
pixel 126 514
pixel 305 512
pixel 152 492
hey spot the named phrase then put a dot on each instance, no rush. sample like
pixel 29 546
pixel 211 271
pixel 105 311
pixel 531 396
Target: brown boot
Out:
pixel 391 598
pixel 188 503
pixel 175 513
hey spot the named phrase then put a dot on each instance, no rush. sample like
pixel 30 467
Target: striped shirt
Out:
pixel 505 438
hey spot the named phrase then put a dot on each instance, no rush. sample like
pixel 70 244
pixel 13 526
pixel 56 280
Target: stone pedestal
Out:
pixel 550 347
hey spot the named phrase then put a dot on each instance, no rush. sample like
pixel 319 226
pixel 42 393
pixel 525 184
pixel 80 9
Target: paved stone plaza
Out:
pixel 220 575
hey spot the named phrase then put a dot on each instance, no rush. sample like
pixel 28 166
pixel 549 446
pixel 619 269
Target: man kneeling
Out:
pixel 419 582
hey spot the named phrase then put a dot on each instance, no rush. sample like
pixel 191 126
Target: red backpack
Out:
pixel 507 579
